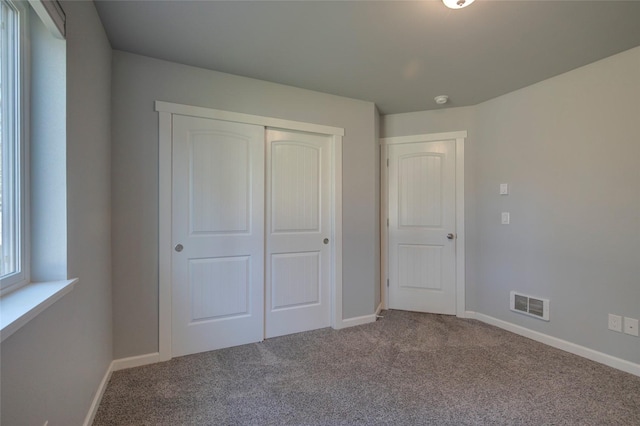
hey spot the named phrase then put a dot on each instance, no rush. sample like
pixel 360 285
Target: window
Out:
pixel 33 208
pixel 13 145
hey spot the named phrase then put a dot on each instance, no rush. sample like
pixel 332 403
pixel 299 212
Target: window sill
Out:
pixel 21 306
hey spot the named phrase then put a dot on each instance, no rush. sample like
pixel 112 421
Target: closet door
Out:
pixel 298 238
pixel 217 233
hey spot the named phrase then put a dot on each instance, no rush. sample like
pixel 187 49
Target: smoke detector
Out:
pixel 442 99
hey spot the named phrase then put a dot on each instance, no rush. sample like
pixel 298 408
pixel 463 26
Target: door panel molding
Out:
pixel 166 111
pixel 459 138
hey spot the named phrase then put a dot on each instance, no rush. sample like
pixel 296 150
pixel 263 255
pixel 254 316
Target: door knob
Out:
pixel 178 248
pixel 326 241
pixel 450 236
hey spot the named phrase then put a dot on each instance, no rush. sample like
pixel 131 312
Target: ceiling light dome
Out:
pixel 457 4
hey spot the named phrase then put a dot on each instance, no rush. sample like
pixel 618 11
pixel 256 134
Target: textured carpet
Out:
pixel 405 369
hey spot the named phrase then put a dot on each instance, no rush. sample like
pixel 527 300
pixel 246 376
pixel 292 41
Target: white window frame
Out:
pixel 25 300
pixel 21 277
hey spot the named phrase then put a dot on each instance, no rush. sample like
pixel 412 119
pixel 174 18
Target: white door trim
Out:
pixel 459 137
pixel 237 117
pixel 165 272
pixel 166 110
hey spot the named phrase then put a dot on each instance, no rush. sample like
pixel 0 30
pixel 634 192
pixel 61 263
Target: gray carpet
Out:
pixel 406 369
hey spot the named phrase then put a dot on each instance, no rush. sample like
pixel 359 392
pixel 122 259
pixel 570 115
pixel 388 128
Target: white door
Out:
pixel 298 258
pixel 218 234
pixel 422 262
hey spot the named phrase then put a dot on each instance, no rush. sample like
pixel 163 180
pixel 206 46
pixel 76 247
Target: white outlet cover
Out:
pixel 615 323
pixel 631 326
pixel 504 189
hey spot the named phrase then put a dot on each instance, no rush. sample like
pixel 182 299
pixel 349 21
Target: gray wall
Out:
pixel 138 82
pixel 569 149
pixel 51 368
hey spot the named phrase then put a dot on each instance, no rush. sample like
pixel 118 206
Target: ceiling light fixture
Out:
pixel 457 4
pixel 441 100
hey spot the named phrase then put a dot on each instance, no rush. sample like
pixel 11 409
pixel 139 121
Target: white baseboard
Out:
pixel 380 308
pixel 365 319
pixel 466 314
pixel 117 364
pixel 136 361
pixel 352 322
pixel 593 355
pixel 93 409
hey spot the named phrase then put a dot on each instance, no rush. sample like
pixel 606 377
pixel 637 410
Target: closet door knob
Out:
pixel 326 241
pixel 178 248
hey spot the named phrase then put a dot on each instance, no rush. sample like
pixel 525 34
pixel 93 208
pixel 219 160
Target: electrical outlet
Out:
pixel 615 323
pixel 504 189
pixel 631 326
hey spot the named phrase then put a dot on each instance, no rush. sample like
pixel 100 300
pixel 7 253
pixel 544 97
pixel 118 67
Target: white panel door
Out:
pixel 298 265
pixel 218 234
pixel 422 260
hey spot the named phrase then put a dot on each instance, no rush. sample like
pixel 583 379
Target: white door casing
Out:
pixel 423 200
pixel 298 238
pixel 167 112
pixel 218 231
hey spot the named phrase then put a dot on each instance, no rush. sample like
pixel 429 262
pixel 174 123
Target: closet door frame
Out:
pixel 166 110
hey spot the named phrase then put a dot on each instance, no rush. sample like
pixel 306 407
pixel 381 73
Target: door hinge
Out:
pixel 387 162
pixel 387 222
pixel 387 282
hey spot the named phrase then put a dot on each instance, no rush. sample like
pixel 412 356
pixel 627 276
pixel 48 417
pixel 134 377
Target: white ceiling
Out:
pixel 398 54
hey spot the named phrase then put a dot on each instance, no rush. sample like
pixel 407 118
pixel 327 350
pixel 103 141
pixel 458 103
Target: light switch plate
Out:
pixel 504 189
pixel 631 326
pixel 505 218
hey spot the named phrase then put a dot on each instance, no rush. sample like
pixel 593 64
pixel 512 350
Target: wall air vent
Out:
pixel 529 305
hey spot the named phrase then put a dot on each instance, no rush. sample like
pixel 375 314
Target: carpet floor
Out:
pixel 405 369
